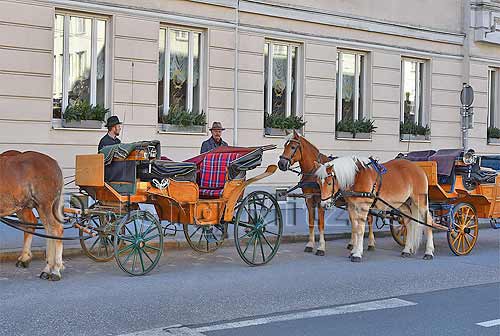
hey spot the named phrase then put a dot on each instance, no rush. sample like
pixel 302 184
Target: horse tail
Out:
pixel 58 205
pixel 415 230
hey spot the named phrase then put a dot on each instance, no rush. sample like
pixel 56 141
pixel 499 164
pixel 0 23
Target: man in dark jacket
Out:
pixel 111 138
pixel 216 138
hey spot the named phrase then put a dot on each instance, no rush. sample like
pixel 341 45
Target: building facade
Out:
pixel 328 61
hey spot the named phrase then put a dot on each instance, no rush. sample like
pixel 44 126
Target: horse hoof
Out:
pixel 54 277
pixel 371 248
pixel 355 259
pixel 22 264
pixel 349 246
pixel 405 254
pixel 428 257
pixel 308 249
pixel 44 276
pixel 320 253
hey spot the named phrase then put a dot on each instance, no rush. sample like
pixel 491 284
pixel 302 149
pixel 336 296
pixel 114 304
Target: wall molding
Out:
pixel 309 14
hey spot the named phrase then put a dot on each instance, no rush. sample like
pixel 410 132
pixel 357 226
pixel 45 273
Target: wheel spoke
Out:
pixel 261 247
pixel 254 248
pixel 151 238
pixel 147 255
pixel 126 248
pixel 127 238
pixel 467 241
pixel 141 260
pixel 248 243
pixel 198 229
pixel 246 234
pixel 246 225
pixel 273 233
pixel 150 229
pixel 134 260
pixel 269 244
pixel 129 255
pixel 151 247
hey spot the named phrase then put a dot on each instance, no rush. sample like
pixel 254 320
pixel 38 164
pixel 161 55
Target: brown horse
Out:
pixel 298 149
pixel 403 186
pixel 32 180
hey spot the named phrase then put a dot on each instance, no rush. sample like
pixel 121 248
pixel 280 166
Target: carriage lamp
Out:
pixel 469 158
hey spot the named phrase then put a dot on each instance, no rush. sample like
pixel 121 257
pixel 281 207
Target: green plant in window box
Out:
pixel 359 129
pixel 278 124
pixel 410 130
pixel 493 135
pixel 178 119
pixel 81 114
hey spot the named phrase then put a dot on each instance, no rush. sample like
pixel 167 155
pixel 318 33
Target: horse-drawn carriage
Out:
pixel 463 187
pixel 204 194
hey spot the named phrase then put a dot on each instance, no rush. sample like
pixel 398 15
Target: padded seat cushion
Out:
pixel 213 170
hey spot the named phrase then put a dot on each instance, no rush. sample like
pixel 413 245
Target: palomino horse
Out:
pixel 404 185
pixel 32 180
pixel 298 149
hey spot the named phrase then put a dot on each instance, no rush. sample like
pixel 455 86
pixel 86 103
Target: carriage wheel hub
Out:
pixel 467 230
pixel 139 242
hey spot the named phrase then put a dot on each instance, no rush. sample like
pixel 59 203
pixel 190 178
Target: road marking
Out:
pixel 488 324
pixel 352 308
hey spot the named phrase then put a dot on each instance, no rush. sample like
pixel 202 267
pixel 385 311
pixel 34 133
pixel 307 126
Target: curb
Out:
pixel 39 253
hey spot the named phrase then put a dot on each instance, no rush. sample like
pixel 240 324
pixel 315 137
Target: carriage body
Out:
pixel 202 193
pixel 460 193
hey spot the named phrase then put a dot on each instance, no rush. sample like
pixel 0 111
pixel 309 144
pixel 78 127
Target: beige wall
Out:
pixel 26 43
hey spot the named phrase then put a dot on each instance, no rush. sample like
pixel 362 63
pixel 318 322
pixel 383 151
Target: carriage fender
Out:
pixel 235 194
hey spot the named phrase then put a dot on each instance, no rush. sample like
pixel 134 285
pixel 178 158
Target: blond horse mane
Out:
pixel 345 169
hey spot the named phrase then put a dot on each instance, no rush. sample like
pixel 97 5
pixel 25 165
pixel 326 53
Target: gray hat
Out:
pixel 217 126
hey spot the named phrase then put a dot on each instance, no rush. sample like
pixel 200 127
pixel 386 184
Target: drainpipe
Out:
pixel 236 67
pixel 466 64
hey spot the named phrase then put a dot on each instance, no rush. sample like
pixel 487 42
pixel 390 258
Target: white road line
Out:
pixel 353 308
pixel 488 324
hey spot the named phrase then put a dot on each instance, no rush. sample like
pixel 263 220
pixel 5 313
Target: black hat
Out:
pixel 112 121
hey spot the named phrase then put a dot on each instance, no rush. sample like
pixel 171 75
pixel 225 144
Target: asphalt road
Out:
pixel 296 294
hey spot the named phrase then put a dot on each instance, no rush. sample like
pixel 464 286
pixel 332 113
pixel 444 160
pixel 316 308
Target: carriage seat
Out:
pixel 162 169
pixel 213 171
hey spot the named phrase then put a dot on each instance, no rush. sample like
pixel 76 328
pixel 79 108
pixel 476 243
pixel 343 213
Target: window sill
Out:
pixel 489 143
pixel 60 128
pixel 415 141
pixel 182 133
pixel 352 139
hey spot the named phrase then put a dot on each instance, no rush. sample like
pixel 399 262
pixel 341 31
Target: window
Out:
pixel 180 71
pixel 281 67
pixel 493 98
pixel 413 91
pixel 351 78
pixel 80 64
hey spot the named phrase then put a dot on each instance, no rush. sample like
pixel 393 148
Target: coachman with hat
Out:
pixel 216 138
pixel 111 138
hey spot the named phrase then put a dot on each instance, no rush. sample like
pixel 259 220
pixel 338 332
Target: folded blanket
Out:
pixel 118 151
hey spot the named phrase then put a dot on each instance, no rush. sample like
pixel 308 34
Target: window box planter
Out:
pixel 495 141
pixel 89 124
pixel 349 135
pixel 275 131
pixel 414 137
pixel 182 129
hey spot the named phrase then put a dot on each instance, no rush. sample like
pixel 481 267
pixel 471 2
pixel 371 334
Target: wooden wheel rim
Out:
pixel 399 231
pixel 464 228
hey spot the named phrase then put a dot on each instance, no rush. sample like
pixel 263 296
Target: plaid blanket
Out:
pixel 213 170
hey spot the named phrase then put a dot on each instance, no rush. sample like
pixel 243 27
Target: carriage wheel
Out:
pixel 205 238
pixel 99 248
pixel 399 231
pixel 464 229
pixel 141 237
pixel 258 228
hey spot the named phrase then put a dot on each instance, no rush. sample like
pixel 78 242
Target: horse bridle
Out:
pixel 299 147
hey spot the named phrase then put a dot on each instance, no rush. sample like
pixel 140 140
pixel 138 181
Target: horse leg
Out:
pixel 358 219
pixel 310 212
pixel 321 224
pixel 53 227
pixel 27 216
pixel 429 247
pixel 371 237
